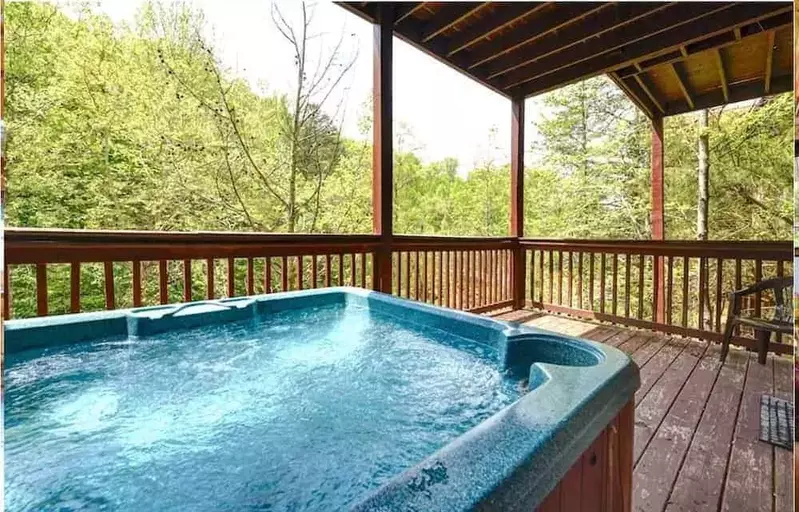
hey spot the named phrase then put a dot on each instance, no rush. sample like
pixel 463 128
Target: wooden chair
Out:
pixel 780 322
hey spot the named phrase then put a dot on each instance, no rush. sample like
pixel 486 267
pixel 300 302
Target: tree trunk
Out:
pixel 702 209
pixel 704 167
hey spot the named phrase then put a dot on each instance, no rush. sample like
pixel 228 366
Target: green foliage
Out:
pixel 140 127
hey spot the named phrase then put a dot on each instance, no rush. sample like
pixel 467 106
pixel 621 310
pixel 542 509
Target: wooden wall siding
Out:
pixel 696 282
pixel 663 55
pixel 601 479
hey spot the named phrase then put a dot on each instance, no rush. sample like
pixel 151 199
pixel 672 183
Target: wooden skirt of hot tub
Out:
pixel 601 480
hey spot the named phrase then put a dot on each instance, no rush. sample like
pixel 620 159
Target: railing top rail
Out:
pixel 85 236
pixel 747 249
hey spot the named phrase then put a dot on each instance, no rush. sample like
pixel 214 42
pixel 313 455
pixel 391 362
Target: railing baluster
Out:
pixel 136 264
pixel 551 258
pixel 6 292
pixel 758 278
pixel 284 273
pixel 700 324
pixel 408 275
pixel 580 280
pixel 425 267
pixel 669 288
pixel 209 279
pixel 268 274
pixel 591 280
pixel 300 271
pixel 532 275
pixel 352 269
pixel 458 303
pixel 541 276
pixel 74 287
pixel 163 290
pixel 436 278
pixel 641 262
pixel 328 270
pixel 719 303
pixel 615 285
pixel 110 301
pixel 231 277
pixel 186 280
pixel 250 276
pixel 341 269
pixel 314 270
pixel 560 277
pixel 571 277
pixel 41 289
pixel 602 271
pixel 686 270
pixel 363 270
pixel 445 292
pixel 627 285
pixel 780 273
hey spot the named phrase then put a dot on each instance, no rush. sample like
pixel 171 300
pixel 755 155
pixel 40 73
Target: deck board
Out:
pixel 697 421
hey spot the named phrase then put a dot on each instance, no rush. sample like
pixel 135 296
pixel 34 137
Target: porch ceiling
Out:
pixel 668 57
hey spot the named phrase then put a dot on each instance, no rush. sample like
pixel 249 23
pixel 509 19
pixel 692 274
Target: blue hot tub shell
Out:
pixel 511 461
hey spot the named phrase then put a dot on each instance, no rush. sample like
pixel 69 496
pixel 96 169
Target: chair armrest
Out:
pixel 768 284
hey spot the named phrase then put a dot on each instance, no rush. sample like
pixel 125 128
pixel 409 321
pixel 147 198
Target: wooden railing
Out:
pixel 472 274
pixel 677 287
pixel 139 268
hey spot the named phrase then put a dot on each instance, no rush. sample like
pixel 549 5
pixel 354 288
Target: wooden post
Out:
pixel 382 149
pixel 658 224
pixel 517 199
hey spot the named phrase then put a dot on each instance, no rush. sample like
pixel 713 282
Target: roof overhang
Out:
pixel 668 57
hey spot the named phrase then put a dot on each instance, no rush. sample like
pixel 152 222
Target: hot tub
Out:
pixel 314 400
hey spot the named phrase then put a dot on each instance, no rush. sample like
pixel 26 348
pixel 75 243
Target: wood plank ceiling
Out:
pixel 668 57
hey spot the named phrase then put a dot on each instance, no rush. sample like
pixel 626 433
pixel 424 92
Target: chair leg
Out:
pixel 763 338
pixel 725 340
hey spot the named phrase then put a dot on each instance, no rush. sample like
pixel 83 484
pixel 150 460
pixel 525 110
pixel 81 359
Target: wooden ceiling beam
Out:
pixel 618 43
pixel 769 61
pixel 649 90
pixel 722 75
pixel 592 25
pixel 776 22
pixel 676 68
pixel 738 92
pixel 406 10
pixel 555 19
pixel 737 15
pixel 635 95
pixel 503 16
pixel 449 15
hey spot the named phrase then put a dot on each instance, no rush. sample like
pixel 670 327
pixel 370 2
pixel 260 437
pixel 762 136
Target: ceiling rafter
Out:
pixel 780 23
pixel 769 61
pixel 549 22
pixel 407 10
pixel 649 89
pixel 597 23
pixel 616 43
pixel 737 92
pixel 737 15
pixel 725 89
pixel 682 81
pixel 452 13
pixel 507 15
pixel 634 94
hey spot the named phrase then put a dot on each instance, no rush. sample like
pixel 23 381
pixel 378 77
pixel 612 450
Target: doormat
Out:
pixel 776 421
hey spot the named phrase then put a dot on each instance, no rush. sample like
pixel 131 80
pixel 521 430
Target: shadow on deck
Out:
pixel 696 421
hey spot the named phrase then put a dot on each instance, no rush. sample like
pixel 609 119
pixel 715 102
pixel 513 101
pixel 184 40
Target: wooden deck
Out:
pixel 696 421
